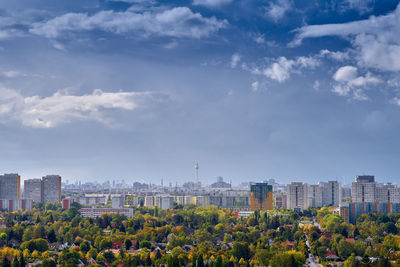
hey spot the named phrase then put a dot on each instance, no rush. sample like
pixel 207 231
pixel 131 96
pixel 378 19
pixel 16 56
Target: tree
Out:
pixel 22 260
pixel 69 258
pixel 85 246
pixel 3 238
pixel 48 263
pixel 15 262
pixel 344 249
pixel 194 260
pixel 200 261
pixel 51 236
pixel 241 250
pixel 39 232
pixel 6 262
pixel 351 261
pixel 109 256
pixel 128 244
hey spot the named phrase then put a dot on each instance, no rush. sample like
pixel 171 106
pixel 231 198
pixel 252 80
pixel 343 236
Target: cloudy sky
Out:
pixel 142 89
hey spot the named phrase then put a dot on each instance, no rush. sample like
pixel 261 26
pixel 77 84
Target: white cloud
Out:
pixel 254 86
pixel 235 60
pixel 282 68
pixel 175 22
pixel 362 6
pixel 10 74
pixel 211 3
pixel 349 82
pixel 316 85
pixel 376 40
pixel 336 55
pixel 276 10
pixel 345 74
pixel 61 108
pixel 171 45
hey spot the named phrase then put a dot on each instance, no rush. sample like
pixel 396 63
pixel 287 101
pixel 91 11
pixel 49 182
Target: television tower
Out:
pixel 196 167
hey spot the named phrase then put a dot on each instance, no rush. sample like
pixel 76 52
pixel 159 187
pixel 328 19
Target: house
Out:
pixel 92 261
pixel 116 245
pixel 288 243
pixel 350 240
pixel 327 235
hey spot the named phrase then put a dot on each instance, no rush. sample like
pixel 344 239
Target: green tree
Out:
pixel 241 250
pixel 344 249
pixel 109 256
pixel 48 263
pixel 128 244
pixel 85 246
pixel 51 236
pixel 6 262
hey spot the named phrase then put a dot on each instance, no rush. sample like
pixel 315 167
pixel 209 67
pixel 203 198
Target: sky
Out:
pixel 140 90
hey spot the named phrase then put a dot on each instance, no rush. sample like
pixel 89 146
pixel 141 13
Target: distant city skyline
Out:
pixel 141 90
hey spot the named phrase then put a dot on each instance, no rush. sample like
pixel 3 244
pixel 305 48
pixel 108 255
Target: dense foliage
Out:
pixel 192 236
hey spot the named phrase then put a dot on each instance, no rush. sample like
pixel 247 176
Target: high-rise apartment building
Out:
pixel 331 193
pixel 51 188
pixel 33 189
pixel 10 186
pixel 315 193
pixel 363 189
pixel 387 193
pixel 261 196
pixel 297 196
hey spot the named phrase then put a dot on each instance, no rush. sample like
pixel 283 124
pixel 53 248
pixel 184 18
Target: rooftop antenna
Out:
pixel 196 167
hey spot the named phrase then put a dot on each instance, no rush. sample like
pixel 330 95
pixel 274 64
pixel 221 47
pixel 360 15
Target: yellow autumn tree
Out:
pixel 35 254
pixel 26 253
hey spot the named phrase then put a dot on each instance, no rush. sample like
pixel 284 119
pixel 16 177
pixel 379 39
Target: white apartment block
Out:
pixel 297 196
pixel 387 193
pixel 363 189
pixel 118 202
pixel 33 189
pixel 51 188
pixel 10 186
pixel 97 212
pixel 331 194
pixel 315 193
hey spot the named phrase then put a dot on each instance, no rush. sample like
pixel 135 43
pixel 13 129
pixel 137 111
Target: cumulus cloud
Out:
pixel 175 22
pixel 335 55
pixel 254 86
pixel 281 69
pixel 376 40
pixel 61 107
pixel 277 9
pixel 349 82
pixel 211 3
pixel 235 60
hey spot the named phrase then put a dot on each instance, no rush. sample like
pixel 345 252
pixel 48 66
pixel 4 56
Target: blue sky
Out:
pixel 142 89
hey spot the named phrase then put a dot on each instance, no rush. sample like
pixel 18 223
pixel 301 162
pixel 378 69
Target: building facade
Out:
pixel 97 212
pixel 331 193
pixel 297 196
pixel 261 196
pixel 10 186
pixel 33 189
pixel 51 188
pixel 363 189
pixel 16 204
pixel 315 193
